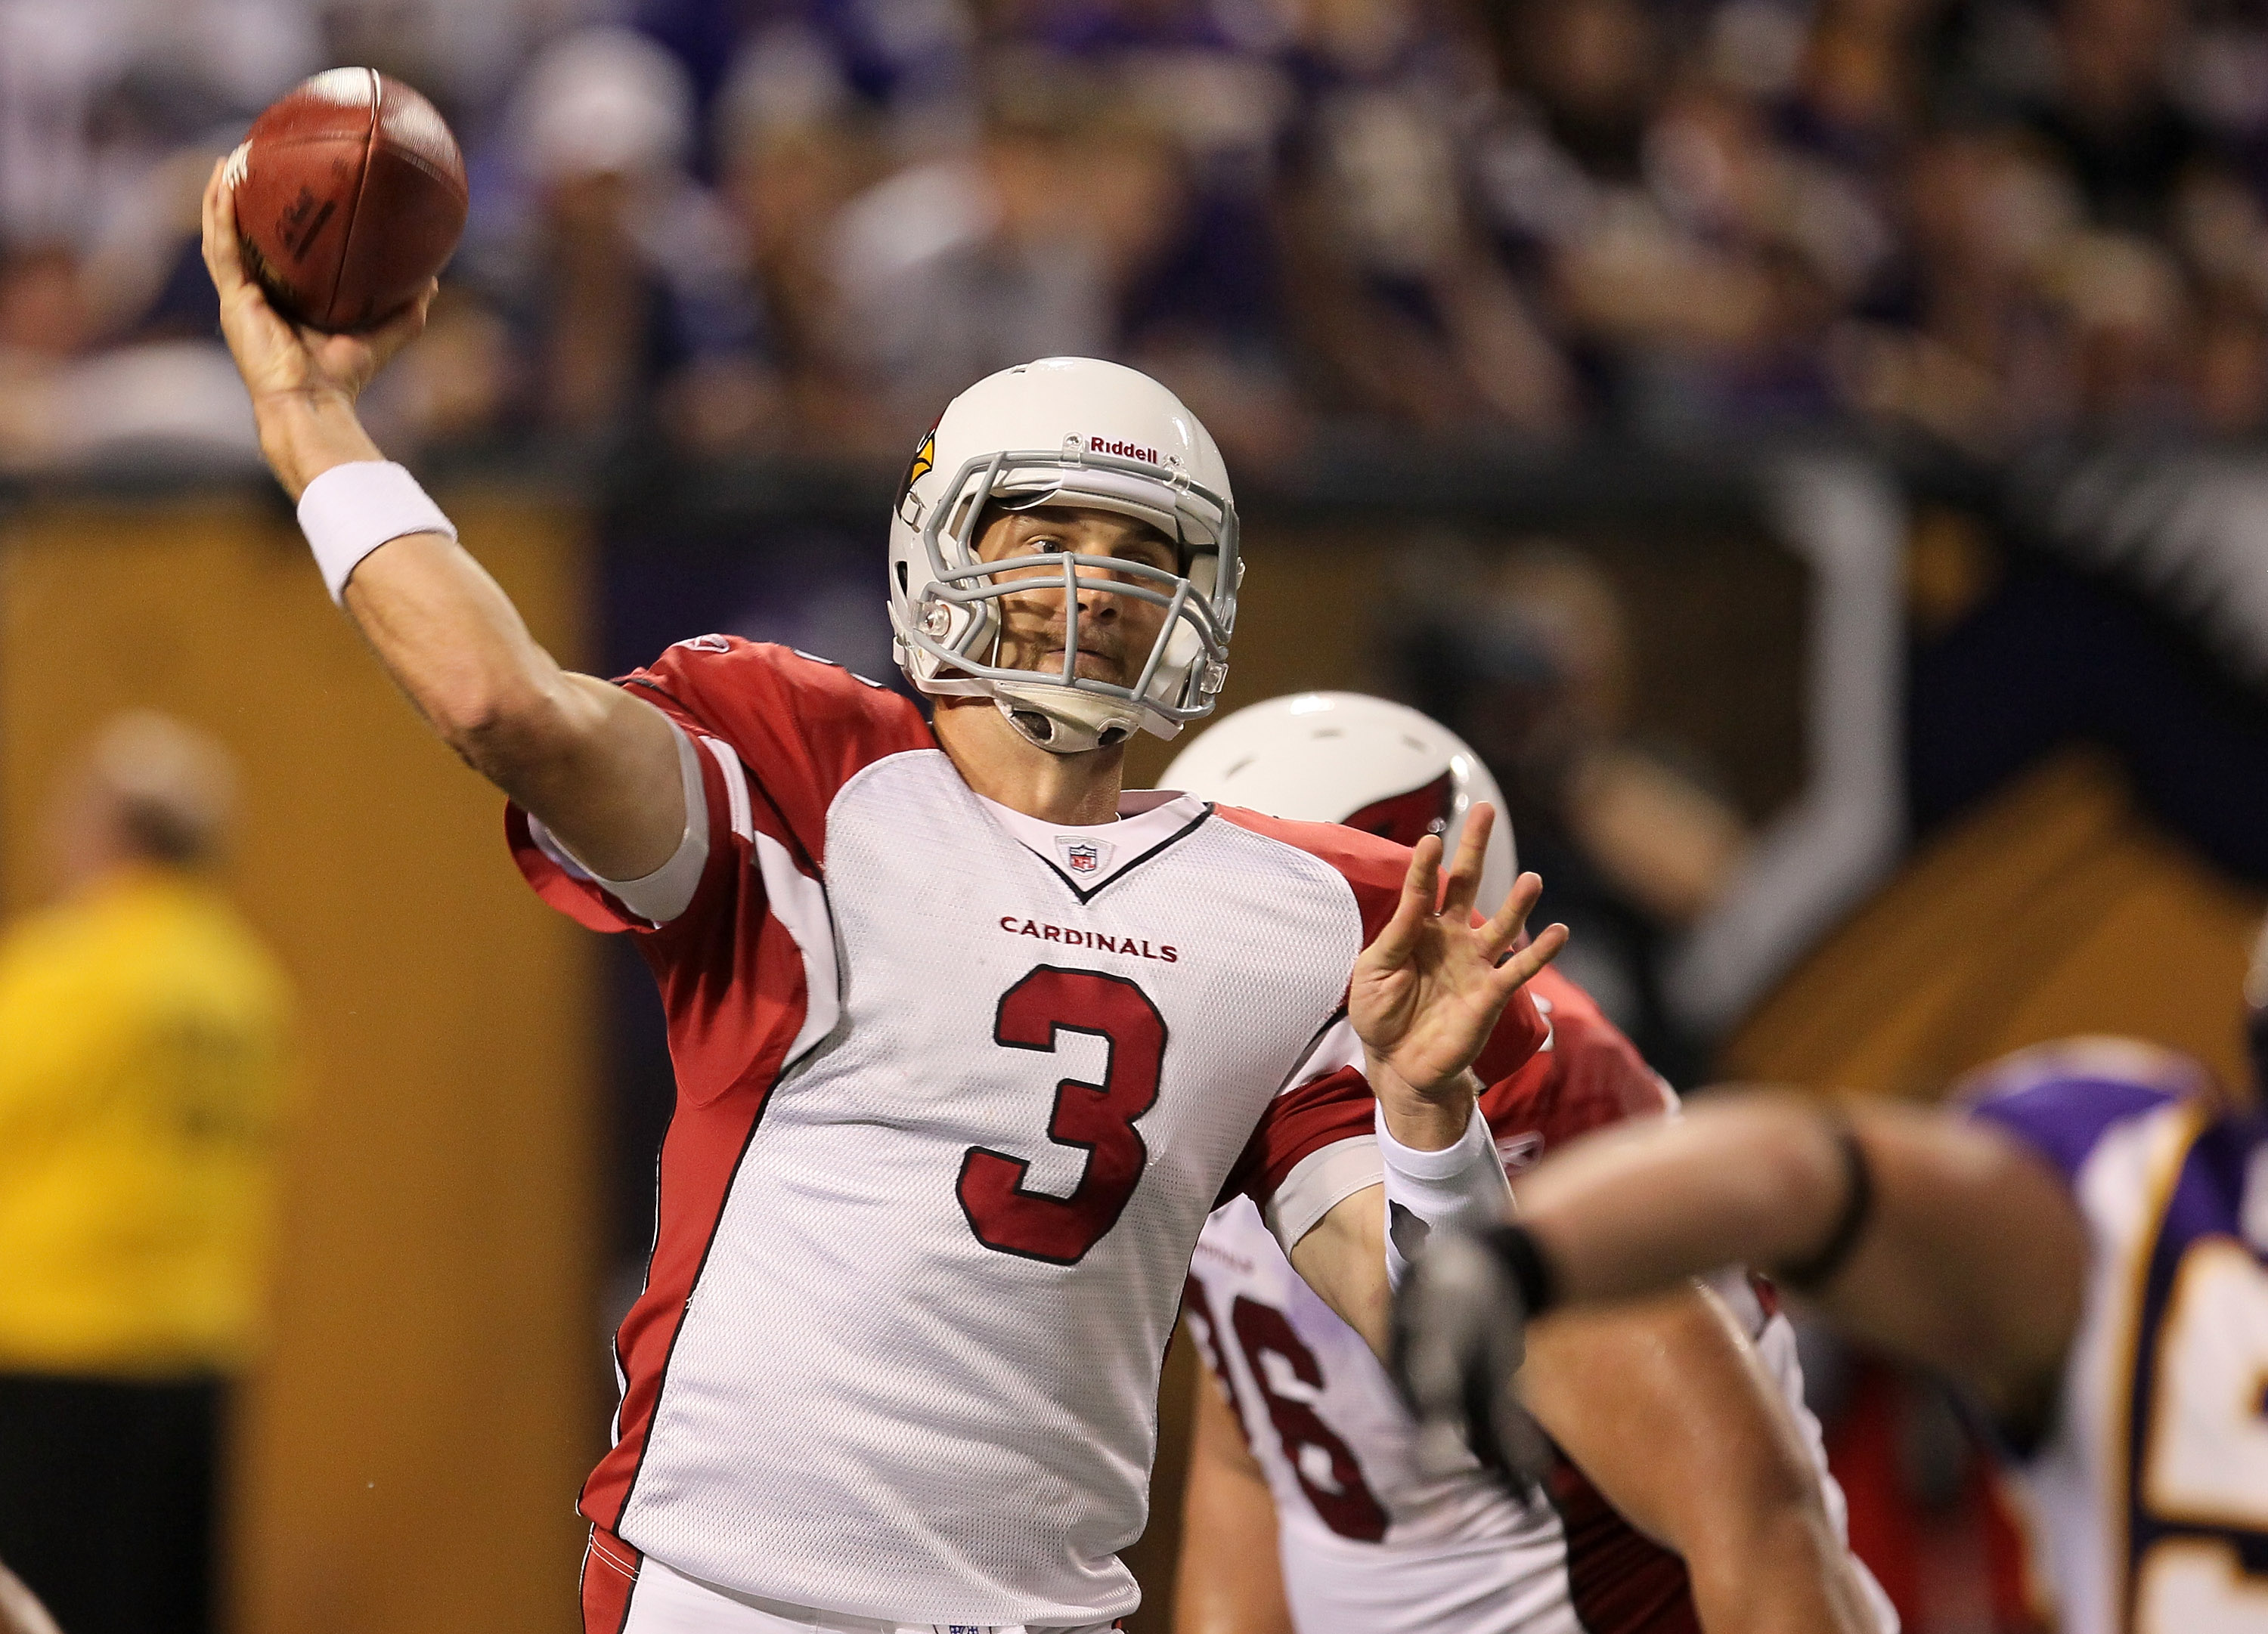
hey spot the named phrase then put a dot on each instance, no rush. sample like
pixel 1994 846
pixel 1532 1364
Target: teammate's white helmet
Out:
pixel 1072 431
pixel 1344 757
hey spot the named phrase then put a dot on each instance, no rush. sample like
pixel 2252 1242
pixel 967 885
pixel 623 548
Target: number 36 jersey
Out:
pixel 2149 1494
pixel 1368 1543
pixel 956 1091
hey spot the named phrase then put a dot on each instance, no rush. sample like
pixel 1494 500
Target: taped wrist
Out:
pixel 351 510
pixel 1461 1186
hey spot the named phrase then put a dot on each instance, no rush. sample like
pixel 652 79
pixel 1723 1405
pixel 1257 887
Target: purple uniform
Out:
pixel 2149 1494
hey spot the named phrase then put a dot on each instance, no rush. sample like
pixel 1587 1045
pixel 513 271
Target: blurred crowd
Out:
pixel 795 226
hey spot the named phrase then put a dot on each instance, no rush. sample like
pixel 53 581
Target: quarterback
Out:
pixel 967 1042
pixel 2080 1246
pixel 1688 1486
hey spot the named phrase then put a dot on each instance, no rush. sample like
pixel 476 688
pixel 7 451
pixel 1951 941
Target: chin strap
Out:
pixel 1063 720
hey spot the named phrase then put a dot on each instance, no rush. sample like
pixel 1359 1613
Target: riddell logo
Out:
pixel 1124 451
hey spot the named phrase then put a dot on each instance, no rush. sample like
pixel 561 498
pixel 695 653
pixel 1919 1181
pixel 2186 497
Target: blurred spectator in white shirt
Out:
pixel 625 278
pixel 1016 249
pixel 67 160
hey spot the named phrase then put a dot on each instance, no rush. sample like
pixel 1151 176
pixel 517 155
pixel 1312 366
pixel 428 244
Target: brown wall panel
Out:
pixel 2056 909
pixel 410 1451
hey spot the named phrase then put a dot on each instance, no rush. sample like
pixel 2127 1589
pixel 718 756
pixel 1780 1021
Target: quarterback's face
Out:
pixel 1115 632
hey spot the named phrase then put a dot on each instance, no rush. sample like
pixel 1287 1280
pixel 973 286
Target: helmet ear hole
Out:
pixel 901 578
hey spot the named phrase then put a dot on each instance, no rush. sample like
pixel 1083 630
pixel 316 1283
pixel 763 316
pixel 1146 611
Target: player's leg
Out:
pixel 169 1502
pixel 54 1488
pixel 68 1468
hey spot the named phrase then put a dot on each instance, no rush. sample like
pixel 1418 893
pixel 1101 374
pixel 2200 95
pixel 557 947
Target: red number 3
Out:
pixel 1099 1117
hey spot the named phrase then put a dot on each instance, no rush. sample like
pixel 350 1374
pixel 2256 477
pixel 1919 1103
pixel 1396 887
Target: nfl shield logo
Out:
pixel 1084 858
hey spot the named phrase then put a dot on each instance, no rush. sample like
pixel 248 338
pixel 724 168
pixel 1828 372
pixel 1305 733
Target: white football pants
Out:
pixel 669 1602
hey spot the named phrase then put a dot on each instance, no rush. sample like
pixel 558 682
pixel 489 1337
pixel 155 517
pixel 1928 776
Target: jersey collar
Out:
pixel 1087 857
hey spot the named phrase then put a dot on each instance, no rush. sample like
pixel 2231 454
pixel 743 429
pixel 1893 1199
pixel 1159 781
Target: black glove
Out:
pixel 1459 1336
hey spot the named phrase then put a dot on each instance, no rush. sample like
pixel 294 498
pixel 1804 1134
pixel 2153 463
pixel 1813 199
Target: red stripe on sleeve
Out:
pixel 803 726
pixel 585 902
pixel 580 900
pixel 1320 1113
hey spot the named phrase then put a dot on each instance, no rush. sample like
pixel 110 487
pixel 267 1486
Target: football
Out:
pixel 350 195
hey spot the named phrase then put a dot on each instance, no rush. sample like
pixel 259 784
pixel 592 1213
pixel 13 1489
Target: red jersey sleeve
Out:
pixel 800 727
pixel 1585 1075
pixel 777 735
pixel 779 732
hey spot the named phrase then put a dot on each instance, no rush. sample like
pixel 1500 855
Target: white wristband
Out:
pixel 351 510
pixel 1460 1185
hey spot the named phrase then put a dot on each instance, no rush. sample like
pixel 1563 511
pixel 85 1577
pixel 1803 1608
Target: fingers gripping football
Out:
pixel 1426 994
pixel 279 359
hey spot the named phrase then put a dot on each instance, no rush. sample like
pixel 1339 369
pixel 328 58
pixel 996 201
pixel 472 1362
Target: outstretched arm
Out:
pixel 597 765
pixel 1965 1253
pixel 1694 1447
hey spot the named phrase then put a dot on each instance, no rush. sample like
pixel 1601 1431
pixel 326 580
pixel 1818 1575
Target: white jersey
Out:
pixel 1371 1545
pixel 957 1090
pixel 2148 1495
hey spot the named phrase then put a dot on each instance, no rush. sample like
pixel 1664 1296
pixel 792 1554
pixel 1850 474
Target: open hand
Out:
pixel 288 365
pixel 1427 993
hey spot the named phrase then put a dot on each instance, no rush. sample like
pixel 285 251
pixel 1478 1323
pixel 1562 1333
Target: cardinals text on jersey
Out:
pixel 2149 1495
pixel 953 1105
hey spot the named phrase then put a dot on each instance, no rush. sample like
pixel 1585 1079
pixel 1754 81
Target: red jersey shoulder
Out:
pixel 798 729
pixel 1586 1076
pixel 1372 868
pixel 749 692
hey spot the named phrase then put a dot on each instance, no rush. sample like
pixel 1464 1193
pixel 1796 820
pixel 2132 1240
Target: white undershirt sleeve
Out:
pixel 666 892
pixel 1459 1186
pixel 1318 1183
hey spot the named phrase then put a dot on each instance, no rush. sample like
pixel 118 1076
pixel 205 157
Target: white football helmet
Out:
pixel 1071 431
pixel 1346 758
